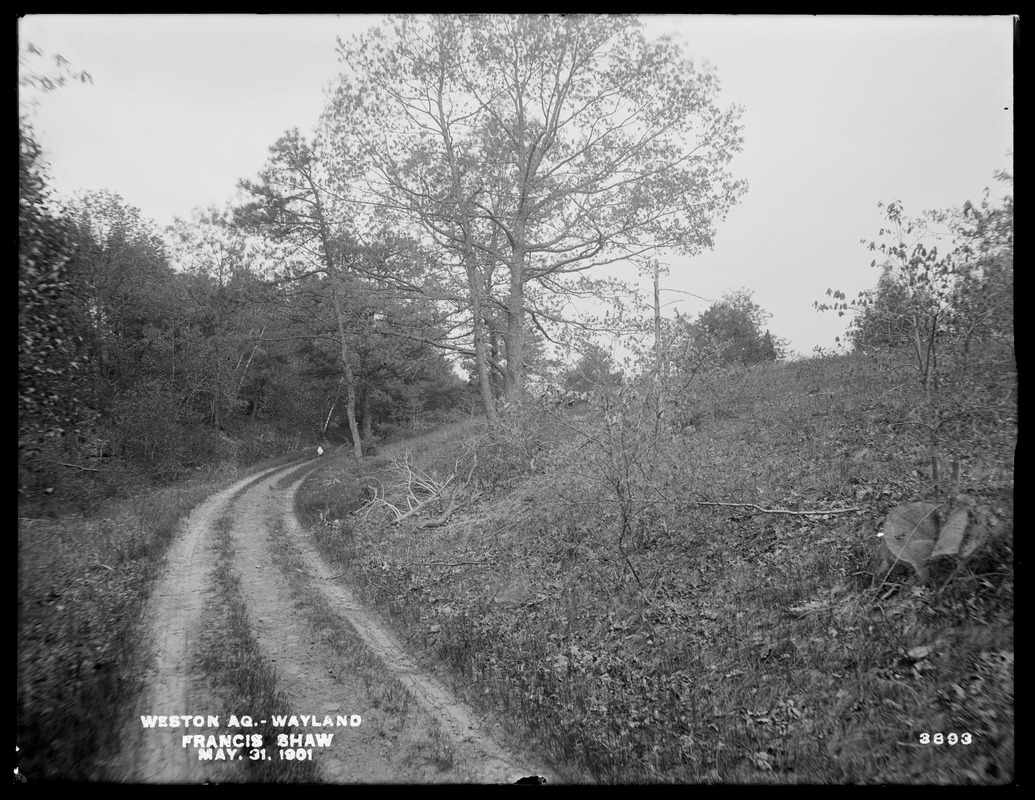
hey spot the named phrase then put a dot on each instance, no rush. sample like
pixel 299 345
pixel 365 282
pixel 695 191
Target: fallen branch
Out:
pixel 76 466
pixel 444 563
pixel 443 518
pixel 422 481
pixel 378 500
pixel 780 510
pixel 759 509
pixel 417 508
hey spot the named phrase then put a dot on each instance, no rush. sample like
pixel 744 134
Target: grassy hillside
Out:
pixel 657 599
pixel 695 596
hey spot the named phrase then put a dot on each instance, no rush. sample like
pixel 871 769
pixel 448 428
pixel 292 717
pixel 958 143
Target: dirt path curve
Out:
pixel 387 746
pixel 173 619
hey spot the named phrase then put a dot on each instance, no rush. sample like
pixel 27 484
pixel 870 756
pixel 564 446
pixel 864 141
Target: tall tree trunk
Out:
pixel 480 360
pixel 335 277
pixel 334 404
pixel 515 374
pixel 217 416
pixel 367 425
pixel 350 378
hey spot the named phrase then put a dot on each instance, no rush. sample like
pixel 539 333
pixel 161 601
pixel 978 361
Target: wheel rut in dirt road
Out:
pixel 389 745
pixel 413 729
pixel 173 621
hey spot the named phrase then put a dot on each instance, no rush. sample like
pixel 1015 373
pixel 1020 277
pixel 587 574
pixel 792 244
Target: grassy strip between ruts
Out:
pixel 240 676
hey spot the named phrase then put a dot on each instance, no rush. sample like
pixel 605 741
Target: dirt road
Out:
pixel 386 746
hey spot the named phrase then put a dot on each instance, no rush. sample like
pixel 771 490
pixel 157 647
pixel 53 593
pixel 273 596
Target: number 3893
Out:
pixel 946 738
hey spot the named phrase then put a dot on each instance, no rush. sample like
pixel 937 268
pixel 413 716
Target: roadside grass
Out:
pixel 388 694
pixel 434 748
pixel 83 583
pixel 588 586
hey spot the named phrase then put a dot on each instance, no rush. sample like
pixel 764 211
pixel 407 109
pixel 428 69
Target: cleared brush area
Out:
pixel 689 591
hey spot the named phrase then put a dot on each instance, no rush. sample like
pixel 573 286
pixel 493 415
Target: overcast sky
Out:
pixel 840 113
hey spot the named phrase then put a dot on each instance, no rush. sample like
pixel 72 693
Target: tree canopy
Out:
pixel 529 151
pixel 730 331
pixel 594 369
pixel 946 274
pixel 471 179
